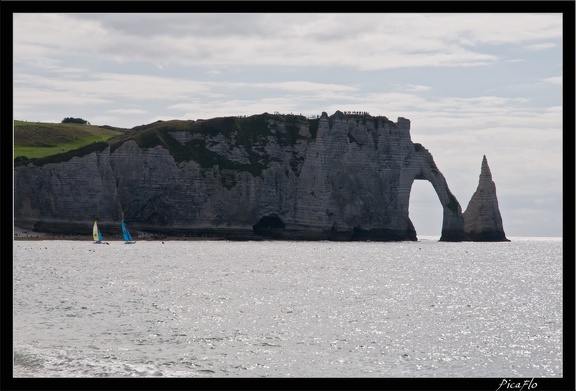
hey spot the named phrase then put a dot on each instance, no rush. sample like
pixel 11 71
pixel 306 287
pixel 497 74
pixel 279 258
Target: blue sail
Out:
pixel 125 233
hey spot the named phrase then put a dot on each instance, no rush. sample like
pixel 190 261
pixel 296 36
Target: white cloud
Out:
pixel 31 97
pixel 540 46
pixel 362 41
pixel 415 88
pixel 127 111
pixel 553 80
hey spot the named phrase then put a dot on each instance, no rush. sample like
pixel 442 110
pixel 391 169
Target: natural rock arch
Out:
pixel 424 168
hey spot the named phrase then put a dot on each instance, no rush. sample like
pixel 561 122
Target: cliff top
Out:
pixel 245 130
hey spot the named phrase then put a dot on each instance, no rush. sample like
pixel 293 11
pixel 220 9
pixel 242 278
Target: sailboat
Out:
pixel 127 237
pixel 98 239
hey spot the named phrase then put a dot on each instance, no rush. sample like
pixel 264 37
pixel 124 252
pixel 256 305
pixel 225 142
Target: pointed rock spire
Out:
pixel 482 219
pixel 485 170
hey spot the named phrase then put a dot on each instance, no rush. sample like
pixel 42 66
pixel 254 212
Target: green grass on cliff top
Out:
pixel 41 139
pixel 52 143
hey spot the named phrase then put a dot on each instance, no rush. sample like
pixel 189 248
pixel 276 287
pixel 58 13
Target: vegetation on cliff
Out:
pixel 42 143
pixel 34 140
pixel 72 120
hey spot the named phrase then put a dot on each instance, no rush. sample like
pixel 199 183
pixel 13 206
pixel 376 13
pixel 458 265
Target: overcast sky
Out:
pixel 471 84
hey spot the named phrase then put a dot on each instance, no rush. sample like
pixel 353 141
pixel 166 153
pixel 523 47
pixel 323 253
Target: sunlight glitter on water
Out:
pixel 285 309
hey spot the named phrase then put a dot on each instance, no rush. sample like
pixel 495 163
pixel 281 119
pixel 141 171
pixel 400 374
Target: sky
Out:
pixel 471 84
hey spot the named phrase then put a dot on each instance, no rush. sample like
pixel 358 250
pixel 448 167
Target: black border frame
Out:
pixel 567 8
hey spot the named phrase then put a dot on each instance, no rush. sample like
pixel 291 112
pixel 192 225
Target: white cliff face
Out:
pixel 344 177
pixel 482 219
pixel 72 193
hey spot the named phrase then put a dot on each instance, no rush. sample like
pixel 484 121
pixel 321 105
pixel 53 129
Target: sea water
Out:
pixel 288 309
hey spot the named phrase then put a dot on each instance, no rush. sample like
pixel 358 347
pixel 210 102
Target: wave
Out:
pixel 31 361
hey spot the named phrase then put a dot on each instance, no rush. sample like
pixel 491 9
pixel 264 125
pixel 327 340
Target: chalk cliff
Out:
pixel 482 219
pixel 340 177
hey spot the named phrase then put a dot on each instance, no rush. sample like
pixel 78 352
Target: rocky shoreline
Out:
pixel 22 234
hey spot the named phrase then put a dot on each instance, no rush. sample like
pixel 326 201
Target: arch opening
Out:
pixel 425 210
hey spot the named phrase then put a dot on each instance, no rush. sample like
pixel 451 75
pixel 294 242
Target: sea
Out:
pixel 281 309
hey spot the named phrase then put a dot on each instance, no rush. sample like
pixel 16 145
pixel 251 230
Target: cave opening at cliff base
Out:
pixel 270 226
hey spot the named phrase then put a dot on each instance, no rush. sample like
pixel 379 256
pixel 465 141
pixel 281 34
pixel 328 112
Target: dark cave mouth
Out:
pixel 269 226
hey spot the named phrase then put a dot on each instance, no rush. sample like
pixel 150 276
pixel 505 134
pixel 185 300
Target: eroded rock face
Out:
pixel 482 219
pixel 339 177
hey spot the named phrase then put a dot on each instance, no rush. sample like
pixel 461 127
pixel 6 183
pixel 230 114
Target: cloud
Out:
pixel 540 46
pixel 306 86
pixel 32 97
pixel 553 80
pixel 361 41
pixel 415 88
pixel 127 111
pixel 105 86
